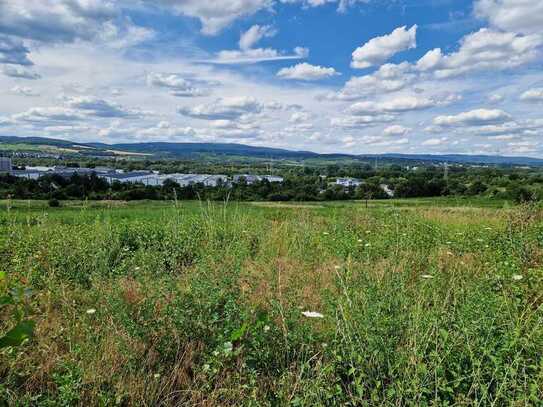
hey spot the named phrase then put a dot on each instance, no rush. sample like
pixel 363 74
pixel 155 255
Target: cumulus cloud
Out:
pixel 388 78
pixel 215 15
pixel 248 55
pixel 254 34
pixel 307 72
pixel 180 85
pixel 485 49
pixel 380 49
pixel 13 51
pixel 397 104
pixel 476 117
pixel 433 142
pixel 396 130
pixel 55 20
pixel 48 115
pixel 93 106
pixel 357 122
pixel 520 16
pixel 224 109
pixel 532 95
pixel 19 72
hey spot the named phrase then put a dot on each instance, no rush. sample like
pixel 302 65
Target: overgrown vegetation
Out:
pixel 203 304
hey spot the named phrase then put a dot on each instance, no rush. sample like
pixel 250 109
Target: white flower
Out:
pixel 137 268
pixel 360 240
pixel 367 245
pixel 312 314
pixel 266 328
pixel 427 276
pixel 325 233
pixel 156 375
pixel 91 311
pixel 517 277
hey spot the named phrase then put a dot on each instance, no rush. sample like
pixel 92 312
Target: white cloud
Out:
pixel 388 78
pixel 380 49
pixel 532 95
pixel 495 98
pixel 55 20
pixel 520 16
pixel 216 15
pixel 248 55
pixel 357 122
pixel 94 106
pixel 306 72
pixel 13 51
pixel 19 72
pixel 476 117
pixel 254 34
pixel 396 130
pixel 179 85
pixel 252 56
pixel 483 50
pixel 48 115
pixel 432 142
pixel 224 109
pixel 397 104
pixel 24 91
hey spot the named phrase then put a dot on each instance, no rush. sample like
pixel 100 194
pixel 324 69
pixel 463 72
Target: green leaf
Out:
pixel 238 333
pixel 5 300
pixel 18 335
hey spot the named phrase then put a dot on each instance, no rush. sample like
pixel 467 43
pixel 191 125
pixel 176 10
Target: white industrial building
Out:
pixel 349 182
pixel 145 177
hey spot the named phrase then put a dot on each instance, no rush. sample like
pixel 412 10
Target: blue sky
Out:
pixel 359 76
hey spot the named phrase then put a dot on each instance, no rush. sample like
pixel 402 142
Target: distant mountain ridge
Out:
pixel 173 150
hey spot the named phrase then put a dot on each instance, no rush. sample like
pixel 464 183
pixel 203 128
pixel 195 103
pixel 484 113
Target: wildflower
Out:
pixel 312 314
pixel 266 328
pixel 91 311
pixel 427 276
pixel 517 277
pixel 206 367
pixel 137 268
pixel 325 233
pixel 367 245
pixel 228 347
pixel 156 375
pixel 360 240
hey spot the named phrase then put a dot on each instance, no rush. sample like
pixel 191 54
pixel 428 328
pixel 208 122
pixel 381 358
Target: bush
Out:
pixel 54 203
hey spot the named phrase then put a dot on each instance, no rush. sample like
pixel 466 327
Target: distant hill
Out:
pixel 187 150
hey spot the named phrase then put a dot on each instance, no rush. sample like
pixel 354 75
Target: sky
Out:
pixel 350 76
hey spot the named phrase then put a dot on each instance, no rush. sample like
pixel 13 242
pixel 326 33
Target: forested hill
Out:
pixel 10 144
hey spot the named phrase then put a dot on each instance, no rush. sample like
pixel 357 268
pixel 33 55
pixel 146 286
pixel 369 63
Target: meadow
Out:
pixel 408 302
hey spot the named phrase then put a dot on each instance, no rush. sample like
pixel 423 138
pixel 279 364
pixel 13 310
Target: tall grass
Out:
pixel 201 304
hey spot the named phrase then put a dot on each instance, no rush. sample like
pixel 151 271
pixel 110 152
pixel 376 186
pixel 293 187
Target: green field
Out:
pixel 423 302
